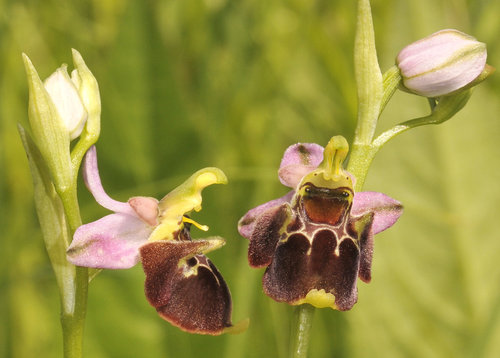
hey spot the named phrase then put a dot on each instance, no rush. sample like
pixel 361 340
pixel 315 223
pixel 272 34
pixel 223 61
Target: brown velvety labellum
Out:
pixel 343 272
pixel 187 291
pixel 287 278
pixel 298 267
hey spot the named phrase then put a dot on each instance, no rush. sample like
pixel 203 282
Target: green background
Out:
pixel 192 83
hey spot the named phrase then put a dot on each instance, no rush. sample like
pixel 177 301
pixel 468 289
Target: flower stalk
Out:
pixel 58 219
pixel 304 315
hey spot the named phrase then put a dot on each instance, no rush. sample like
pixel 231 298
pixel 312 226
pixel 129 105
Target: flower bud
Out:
pixel 50 133
pixel 64 95
pixel 60 109
pixel 441 63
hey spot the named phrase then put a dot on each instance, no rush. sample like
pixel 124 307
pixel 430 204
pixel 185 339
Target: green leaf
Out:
pixel 52 220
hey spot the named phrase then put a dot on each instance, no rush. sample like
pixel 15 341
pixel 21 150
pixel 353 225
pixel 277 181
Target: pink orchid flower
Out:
pixel 318 239
pixel 182 284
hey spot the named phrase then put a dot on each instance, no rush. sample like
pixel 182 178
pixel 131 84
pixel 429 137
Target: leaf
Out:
pixel 52 220
pixel 368 75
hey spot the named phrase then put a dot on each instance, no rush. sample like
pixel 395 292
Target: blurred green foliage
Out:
pixel 192 83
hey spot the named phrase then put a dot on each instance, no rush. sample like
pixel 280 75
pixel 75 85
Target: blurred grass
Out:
pixel 192 83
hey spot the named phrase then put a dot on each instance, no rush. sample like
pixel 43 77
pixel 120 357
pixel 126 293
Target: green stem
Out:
pixel 86 141
pixel 374 91
pixel 362 154
pixel 364 149
pixel 74 301
pixel 71 208
pixel 442 110
pixel 303 322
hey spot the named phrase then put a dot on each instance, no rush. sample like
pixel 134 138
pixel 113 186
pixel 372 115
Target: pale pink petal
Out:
pixel 93 183
pixel 299 159
pixel 386 209
pixel 246 224
pixel 112 242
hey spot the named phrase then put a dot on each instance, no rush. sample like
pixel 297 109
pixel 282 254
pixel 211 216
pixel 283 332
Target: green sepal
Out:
pixel 448 106
pixel 49 132
pixel 443 108
pixel 88 89
pixel 391 80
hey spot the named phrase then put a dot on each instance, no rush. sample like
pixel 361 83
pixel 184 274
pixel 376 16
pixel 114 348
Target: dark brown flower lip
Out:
pixel 185 287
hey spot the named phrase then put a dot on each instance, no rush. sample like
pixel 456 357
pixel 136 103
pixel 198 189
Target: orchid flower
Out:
pixel 182 284
pixel 317 239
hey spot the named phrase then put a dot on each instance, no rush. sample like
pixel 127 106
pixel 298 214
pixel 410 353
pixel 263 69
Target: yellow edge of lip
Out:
pixel 319 299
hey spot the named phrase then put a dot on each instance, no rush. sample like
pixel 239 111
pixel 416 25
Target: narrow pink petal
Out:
pixel 112 242
pixel 246 225
pixel 93 183
pixel 386 209
pixel 299 159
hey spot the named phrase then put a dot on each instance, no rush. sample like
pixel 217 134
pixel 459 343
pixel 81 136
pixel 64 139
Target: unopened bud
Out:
pixel 442 63
pixel 64 95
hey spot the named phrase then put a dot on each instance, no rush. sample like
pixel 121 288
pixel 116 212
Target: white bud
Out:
pixel 67 101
